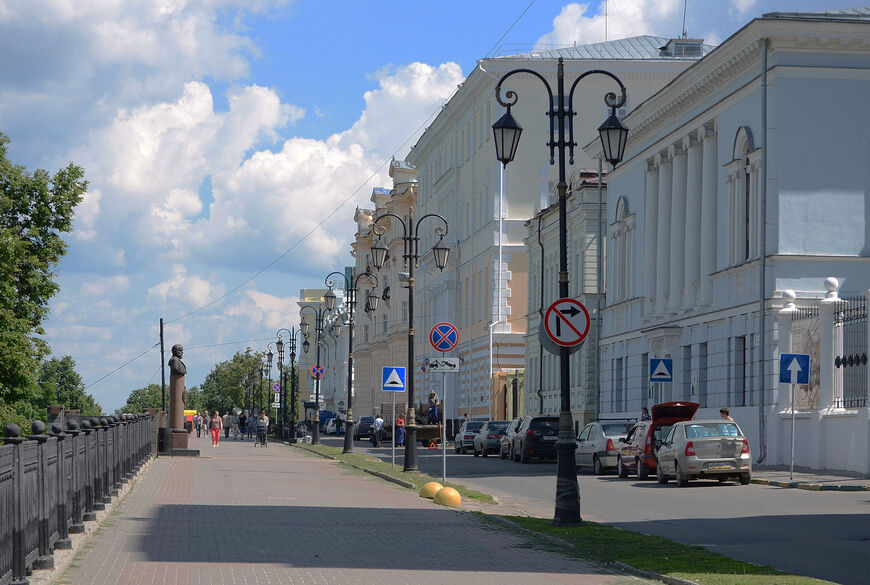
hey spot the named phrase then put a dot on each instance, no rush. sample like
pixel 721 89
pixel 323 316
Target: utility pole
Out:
pixel 162 371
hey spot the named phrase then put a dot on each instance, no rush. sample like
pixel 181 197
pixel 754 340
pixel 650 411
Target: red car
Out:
pixel 637 451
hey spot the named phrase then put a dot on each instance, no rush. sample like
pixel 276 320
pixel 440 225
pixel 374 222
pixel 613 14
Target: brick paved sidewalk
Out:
pixel 247 515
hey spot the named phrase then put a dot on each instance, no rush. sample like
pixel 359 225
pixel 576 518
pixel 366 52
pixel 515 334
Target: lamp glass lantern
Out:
pixel 305 326
pixel 379 254
pixel 329 297
pixel 269 358
pixel 306 345
pixel 372 301
pixel 506 132
pixel 336 328
pixel 613 138
pixel 280 345
pixel 440 252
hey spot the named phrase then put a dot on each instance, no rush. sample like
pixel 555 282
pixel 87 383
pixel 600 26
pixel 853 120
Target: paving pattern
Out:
pixel 242 515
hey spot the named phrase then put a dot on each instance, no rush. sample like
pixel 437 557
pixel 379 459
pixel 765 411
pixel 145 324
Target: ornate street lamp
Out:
pixel 613 135
pixel 319 314
pixel 291 345
pixel 350 303
pixel 411 239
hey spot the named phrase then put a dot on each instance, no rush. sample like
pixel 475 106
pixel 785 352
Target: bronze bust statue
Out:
pixel 176 366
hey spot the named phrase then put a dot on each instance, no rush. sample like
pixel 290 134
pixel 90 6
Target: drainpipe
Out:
pixel 499 320
pixel 541 317
pixel 762 431
pixel 599 288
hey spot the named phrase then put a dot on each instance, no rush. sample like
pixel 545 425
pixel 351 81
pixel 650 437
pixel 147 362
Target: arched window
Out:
pixel 742 177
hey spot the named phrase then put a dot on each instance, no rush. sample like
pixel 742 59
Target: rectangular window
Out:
pixel 740 364
pixel 687 372
pixel 366 332
pixel 385 324
pixel 404 311
pixel 702 375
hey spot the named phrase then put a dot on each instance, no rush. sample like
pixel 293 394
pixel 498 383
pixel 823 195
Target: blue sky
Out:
pixel 217 135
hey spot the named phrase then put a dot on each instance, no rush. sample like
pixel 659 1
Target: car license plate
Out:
pixel 718 466
pixel 550 438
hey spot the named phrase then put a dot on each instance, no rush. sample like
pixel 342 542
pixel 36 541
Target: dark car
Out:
pixel 537 438
pixel 506 444
pixel 637 451
pixel 363 428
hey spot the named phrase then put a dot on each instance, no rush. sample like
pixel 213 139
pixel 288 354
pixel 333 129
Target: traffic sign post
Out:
pixel 567 322
pixel 794 368
pixel 393 380
pixel 661 370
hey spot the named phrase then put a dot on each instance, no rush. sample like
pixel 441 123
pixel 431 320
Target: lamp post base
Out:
pixel 411 465
pixel 567 488
pixel 348 436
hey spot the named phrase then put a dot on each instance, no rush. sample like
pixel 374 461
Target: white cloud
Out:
pixel 270 312
pixel 193 290
pixel 626 18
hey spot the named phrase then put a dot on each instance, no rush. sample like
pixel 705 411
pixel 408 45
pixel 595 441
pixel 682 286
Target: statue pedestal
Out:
pixel 180 444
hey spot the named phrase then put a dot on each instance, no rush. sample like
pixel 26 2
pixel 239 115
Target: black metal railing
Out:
pixel 850 317
pixel 51 483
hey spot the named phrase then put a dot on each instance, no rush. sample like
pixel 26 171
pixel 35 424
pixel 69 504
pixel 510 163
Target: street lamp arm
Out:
pixel 373 280
pixel 439 231
pixel 381 230
pixel 331 283
pixel 511 95
pixel 610 99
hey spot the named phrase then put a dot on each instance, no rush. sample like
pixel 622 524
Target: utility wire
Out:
pixel 125 364
pixel 510 28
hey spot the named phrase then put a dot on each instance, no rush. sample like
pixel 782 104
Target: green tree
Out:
pixel 61 384
pixel 224 387
pixel 35 209
pixel 148 397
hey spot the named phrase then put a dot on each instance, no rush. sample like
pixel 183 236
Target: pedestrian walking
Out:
pixel 235 427
pixel 227 425
pixel 251 422
pixel 379 428
pixel 243 424
pixel 197 422
pixel 215 426
pixel 644 414
pixel 262 429
pixel 433 408
pixel 400 430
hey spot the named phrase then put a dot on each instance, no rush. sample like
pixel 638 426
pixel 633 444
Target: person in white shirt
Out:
pixel 377 433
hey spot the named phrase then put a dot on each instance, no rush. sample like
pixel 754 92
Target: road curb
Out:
pixel 380 474
pixel 810 486
pixel 505 523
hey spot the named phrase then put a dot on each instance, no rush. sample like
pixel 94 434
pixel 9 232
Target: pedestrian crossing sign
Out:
pixel 394 379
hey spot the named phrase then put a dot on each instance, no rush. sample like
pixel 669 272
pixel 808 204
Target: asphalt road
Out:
pixel 819 534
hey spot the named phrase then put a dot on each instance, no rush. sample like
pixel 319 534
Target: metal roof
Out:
pixel 380 191
pixel 862 12
pixel 645 47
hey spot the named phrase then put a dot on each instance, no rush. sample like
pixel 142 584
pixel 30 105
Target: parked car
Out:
pixel 596 444
pixel 537 438
pixel 704 449
pixel 637 451
pixel 463 440
pixel 329 427
pixel 363 428
pixel 487 439
pixel 506 443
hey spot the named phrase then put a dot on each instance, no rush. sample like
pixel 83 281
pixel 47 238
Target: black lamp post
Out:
pixel 613 136
pixel 319 314
pixel 291 345
pixel 350 303
pixel 411 256
pixel 269 356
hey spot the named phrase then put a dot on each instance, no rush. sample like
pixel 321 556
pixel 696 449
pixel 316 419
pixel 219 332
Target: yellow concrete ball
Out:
pixel 430 489
pixel 448 497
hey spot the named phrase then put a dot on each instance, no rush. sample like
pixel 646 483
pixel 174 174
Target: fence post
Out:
pixel 65 483
pixel 79 472
pixel 90 496
pixel 827 345
pixel 19 570
pixel 44 560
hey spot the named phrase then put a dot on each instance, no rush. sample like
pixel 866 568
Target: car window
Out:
pixel 545 424
pixel 497 426
pixel 584 434
pixel 712 429
pixel 630 435
pixel 474 426
pixel 670 438
pixel 615 429
pixel 661 431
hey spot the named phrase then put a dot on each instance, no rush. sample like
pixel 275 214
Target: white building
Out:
pixel 759 150
pixel 484 290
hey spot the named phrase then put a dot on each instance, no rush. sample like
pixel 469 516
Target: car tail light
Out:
pixel 649 445
pixel 609 446
pixel 690 449
pixel 745 449
pixel 530 432
pixel 493 436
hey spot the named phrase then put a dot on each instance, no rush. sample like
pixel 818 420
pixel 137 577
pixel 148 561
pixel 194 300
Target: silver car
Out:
pixel 463 440
pixel 596 444
pixel 488 438
pixel 704 449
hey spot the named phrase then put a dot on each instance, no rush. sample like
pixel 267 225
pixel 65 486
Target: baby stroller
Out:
pixel 262 429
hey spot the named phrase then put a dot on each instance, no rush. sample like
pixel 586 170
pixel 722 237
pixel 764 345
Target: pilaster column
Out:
pixel 827 345
pixel 709 184
pixel 785 316
pixel 693 223
pixel 650 227
pixel 663 237
pixel 678 228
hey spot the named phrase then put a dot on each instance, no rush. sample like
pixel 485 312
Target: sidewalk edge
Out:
pixel 380 474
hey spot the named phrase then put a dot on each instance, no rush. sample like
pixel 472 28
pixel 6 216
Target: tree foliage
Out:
pixel 151 396
pixel 59 383
pixel 35 209
pixel 224 387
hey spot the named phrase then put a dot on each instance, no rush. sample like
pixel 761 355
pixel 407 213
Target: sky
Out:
pixel 228 142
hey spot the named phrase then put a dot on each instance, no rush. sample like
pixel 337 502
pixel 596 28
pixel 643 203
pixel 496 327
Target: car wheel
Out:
pixel 642 471
pixel 745 478
pixel 723 479
pixel 682 480
pixel 620 469
pixel 524 457
pixel 660 475
pixel 456 448
pixel 596 466
pixel 476 452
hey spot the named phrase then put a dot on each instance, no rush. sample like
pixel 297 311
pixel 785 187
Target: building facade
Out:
pixel 742 179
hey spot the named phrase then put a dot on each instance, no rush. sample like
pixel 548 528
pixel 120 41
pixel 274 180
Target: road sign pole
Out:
pixel 393 464
pixel 443 429
pixel 791 467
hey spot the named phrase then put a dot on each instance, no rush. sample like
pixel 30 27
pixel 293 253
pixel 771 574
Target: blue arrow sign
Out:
pixel 393 379
pixel 794 368
pixel 661 370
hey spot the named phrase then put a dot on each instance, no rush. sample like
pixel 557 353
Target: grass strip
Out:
pixel 606 544
pixel 364 461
